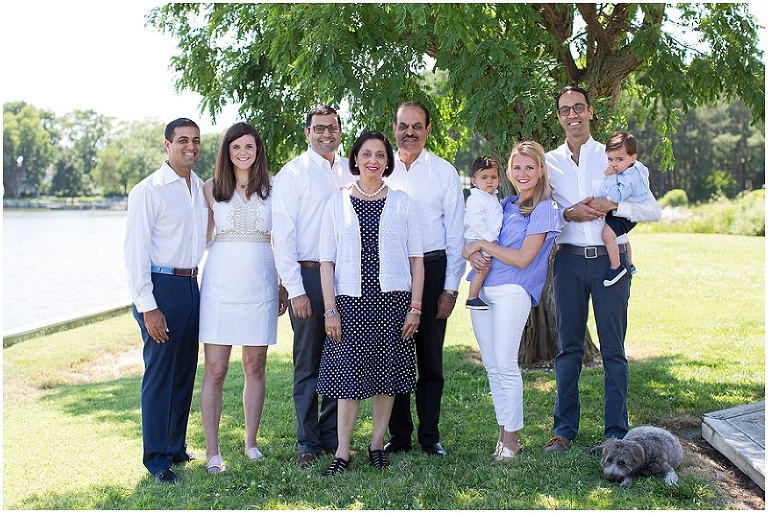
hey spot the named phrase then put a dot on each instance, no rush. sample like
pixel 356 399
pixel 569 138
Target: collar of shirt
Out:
pixel 169 175
pixel 322 161
pixel 423 159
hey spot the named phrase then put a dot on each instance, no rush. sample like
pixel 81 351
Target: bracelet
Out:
pixel 414 310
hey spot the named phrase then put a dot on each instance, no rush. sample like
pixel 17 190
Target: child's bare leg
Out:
pixel 475 284
pixel 609 239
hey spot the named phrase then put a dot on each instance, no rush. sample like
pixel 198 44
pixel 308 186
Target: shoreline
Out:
pixel 22 333
pixel 120 203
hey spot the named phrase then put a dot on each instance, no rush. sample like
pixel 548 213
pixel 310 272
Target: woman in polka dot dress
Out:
pixel 372 273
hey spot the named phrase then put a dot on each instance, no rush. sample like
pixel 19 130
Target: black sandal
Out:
pixel 378 458
pixel 337 467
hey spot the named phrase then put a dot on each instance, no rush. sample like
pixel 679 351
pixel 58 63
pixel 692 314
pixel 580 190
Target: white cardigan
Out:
pixel 399 239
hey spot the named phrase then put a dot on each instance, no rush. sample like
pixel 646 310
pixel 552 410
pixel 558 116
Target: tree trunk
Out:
pixel 538 346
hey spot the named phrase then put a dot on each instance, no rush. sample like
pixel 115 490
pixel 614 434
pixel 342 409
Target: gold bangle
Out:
pixel 414 311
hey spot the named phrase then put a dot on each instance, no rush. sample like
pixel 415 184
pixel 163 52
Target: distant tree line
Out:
pixel 82 153
pixel 717 150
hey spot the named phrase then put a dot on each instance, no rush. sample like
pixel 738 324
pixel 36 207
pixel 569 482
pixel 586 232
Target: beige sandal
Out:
pixel 215 465
pixel 506 455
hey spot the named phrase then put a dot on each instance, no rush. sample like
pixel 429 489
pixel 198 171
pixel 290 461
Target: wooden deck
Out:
pixel 739 434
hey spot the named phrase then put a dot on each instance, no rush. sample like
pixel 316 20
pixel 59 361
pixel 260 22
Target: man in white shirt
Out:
pixel 164 243
pixel 434 186
pixel 576 174
pixel 301 189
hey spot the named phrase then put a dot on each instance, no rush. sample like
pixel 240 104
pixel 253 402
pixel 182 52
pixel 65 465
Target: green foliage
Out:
pixel 504 64
pixel 717 184
pixel 134 151
pixel 29 147
pixel 717 149
pixel 208 154
pixel 743 216
pixel 80 391
pixel 674 198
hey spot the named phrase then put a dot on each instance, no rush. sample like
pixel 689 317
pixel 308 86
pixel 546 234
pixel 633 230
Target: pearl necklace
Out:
pixel 366 194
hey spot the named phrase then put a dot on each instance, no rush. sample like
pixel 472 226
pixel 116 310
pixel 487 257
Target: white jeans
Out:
pixel 498 331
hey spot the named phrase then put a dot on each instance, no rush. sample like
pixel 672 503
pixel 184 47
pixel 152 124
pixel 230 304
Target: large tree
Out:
pixel 83 134
pixel 504 64
pixel 29 147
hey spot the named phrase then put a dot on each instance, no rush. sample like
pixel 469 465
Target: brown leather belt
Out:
pixel 309 264
pixel 588 251
pixel 431 256
pixel 175 271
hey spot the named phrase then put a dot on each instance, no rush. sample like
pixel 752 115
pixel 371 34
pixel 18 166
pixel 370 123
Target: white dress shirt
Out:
pixel 301 189
pixel 434 186
pixel 399 239
pixel 483 215
pixel 573 182
pixel 166 226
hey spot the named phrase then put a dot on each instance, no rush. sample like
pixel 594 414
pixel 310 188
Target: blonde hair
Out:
pixel 543 191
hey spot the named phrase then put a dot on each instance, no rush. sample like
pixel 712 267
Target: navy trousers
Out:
pixel 429 364
pixel 314 433
pixel 169 371
pixel 576 278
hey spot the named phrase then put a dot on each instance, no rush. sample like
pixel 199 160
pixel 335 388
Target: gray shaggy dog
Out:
pixel 645 450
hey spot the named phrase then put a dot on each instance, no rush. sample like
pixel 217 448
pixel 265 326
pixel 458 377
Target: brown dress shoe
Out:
pixel 557 444
pixel 306 458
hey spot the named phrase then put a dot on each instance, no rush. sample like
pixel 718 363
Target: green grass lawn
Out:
pixel 72 421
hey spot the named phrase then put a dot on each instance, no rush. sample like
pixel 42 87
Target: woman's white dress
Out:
pixel 238 291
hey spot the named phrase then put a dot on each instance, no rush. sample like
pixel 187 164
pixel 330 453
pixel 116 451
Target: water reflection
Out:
pixel 58 264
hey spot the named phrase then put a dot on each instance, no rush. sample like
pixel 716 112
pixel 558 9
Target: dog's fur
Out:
pixel 645 450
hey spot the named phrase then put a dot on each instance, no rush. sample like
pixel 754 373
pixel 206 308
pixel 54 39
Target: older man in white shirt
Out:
pixel 434 186
pixel 576 174
pixel 164 243
pixel 301 190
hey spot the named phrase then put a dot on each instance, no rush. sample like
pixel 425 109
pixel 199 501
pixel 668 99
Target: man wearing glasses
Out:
pixel 576 171
pixel 301 189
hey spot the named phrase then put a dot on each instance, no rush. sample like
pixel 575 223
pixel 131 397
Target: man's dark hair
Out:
pixel 321 110
pixel 571 89
pixel 412 104
pixel 171 127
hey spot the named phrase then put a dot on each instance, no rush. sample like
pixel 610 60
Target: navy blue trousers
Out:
pixel 576 279
pixel 169 371
pixel 429 365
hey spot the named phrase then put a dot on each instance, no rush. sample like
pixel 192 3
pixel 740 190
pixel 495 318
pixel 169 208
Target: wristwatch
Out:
pixel 454 293
pixel 330 313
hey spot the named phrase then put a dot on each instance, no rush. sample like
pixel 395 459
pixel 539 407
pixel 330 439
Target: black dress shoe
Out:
pixel 183 457
pixel 167 476
pixel 435 450
pixel 392 447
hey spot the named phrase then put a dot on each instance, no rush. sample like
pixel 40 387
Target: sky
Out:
pixel 67 55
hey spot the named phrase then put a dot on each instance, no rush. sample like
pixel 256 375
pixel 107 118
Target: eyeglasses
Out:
pixel 578 109
pixel 320 129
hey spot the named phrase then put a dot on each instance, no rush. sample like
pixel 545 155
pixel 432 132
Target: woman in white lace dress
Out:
pixel 239 295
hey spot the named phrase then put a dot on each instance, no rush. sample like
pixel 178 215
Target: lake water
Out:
pixel 61 263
